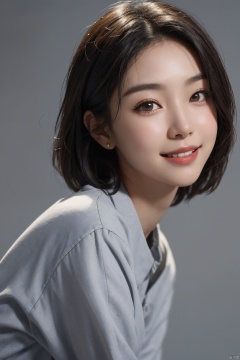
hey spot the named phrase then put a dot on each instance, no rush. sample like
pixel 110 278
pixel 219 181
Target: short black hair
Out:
pixel 98 67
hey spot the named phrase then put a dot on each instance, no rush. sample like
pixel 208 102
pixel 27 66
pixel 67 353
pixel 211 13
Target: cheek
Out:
pixel 140 134
pixel 208 124
pixel 210 129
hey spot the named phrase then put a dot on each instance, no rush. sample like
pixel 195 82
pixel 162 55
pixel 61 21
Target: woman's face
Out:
pixel 166 126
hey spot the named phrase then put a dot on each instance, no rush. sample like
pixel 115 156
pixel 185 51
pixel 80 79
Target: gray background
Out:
pixel 37 41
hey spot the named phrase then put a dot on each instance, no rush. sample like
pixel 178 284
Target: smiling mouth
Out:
pixel 181 154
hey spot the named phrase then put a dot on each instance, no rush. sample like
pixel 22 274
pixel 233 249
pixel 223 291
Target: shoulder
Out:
pixel 64 225
pixel 72 219
pixel 75 224
pixel 86 211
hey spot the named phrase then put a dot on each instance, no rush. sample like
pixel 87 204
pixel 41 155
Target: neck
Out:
pixel 151 202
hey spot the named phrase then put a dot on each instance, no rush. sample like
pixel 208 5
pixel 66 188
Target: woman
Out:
pixel 146 122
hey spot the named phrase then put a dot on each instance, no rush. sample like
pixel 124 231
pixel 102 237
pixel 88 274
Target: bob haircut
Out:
pixel 98 68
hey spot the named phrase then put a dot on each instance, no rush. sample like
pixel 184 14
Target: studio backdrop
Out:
pixel 38 39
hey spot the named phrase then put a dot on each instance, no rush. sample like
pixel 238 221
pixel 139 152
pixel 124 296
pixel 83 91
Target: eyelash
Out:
pixel 152 102
pixel 146 102
pixel 206 94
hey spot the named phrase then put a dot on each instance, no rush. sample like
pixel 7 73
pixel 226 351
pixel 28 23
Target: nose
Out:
pixel 180 126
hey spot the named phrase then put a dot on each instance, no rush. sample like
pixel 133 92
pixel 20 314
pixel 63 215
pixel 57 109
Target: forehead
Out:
pixel 162 61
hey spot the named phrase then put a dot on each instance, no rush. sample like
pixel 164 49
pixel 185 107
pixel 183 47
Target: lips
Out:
pixel 181 152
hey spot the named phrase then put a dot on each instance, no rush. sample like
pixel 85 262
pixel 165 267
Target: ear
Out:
pixel 103 135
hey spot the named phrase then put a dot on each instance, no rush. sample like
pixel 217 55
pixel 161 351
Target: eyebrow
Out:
pixel 195 78
pixel 158 86
pixel 142 87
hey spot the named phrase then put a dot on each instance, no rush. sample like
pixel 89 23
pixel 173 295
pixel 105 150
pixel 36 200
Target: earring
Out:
pixel 108 146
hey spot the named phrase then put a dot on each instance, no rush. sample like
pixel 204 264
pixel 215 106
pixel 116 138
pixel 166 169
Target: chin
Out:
pixel 184 181
pixel 187 182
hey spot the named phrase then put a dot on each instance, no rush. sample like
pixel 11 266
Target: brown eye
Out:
pixel 199 96
pixel 147 107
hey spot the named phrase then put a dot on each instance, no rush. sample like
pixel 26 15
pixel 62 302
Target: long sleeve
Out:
pixel 73 286
pixel 88 308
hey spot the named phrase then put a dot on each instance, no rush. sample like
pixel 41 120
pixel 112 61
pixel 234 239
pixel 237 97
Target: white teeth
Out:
pixel 181 154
